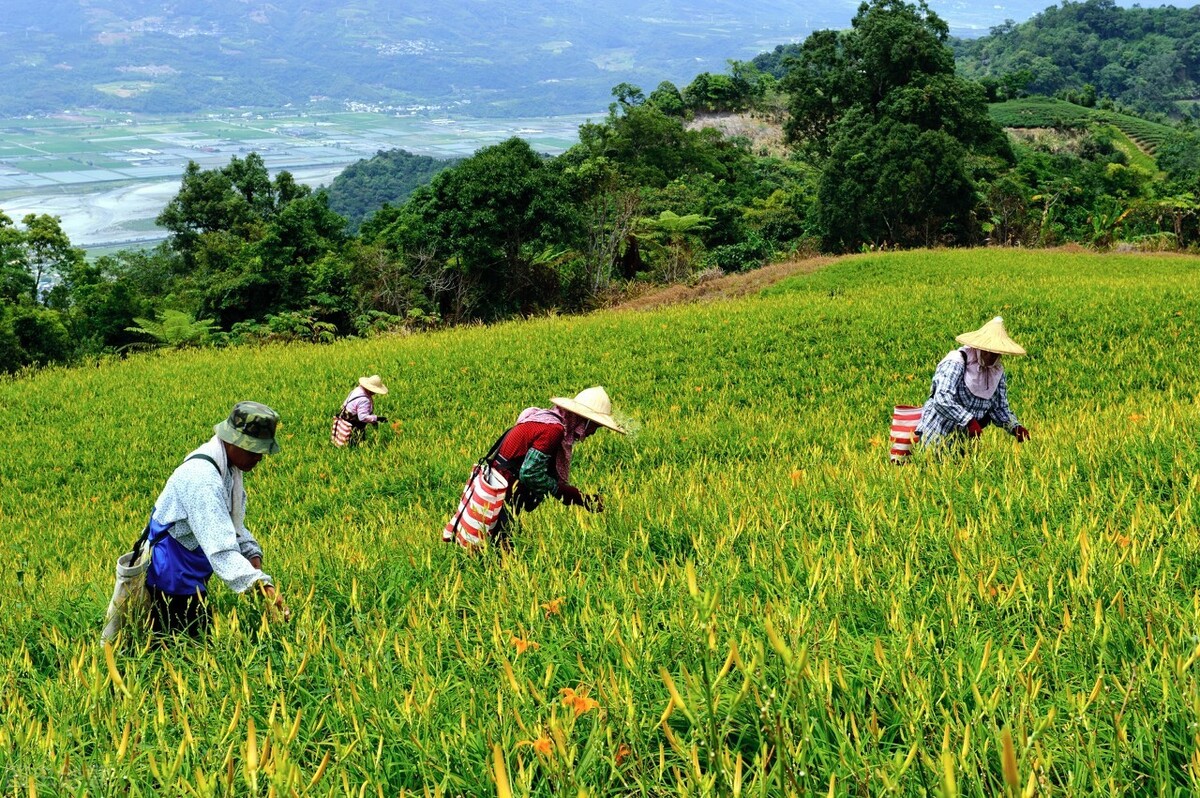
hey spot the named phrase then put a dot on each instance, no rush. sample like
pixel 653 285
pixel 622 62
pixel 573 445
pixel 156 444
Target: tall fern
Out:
pixel 174 329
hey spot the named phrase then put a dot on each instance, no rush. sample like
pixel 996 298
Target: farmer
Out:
pixel 197 529
pixel 536 455
pixel 969 390
pixel 358 411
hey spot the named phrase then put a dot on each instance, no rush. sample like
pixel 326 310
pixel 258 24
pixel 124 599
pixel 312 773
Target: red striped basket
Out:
pixel 904 428
pixel 478 509
pixel 340 432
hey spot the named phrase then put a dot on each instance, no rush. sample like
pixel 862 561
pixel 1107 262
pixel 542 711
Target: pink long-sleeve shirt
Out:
pixel 360 405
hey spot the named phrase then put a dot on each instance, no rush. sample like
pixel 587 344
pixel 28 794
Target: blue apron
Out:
pixel 173 569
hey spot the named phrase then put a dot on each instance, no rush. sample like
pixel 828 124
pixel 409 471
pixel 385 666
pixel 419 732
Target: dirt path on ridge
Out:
pixel 730 286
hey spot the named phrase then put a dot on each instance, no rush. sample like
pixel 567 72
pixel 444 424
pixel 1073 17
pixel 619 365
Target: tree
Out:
pixel 238 199
pixel 898 135
pixel 889 182
pixel 627 95
pixel 667 98
pixel 15 279
pixel 672 241
pixel 48 251
pixel 486 219
pixel 820 83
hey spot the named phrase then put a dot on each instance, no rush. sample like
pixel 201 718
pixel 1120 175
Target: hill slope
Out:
pixel 1033 112
pixel 762 580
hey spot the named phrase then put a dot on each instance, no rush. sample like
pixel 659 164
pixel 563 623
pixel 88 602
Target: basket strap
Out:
pixel 141 541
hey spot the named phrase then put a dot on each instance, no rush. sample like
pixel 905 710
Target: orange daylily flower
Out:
pixel 623 752
pixel 553 607
pixel 578 701
pixel 542 745
pixel 796 476
pixel 876 441
pixel 522 645
pixel 1136 417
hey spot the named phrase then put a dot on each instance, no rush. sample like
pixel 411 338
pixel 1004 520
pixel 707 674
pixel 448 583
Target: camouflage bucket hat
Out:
pixel 250 426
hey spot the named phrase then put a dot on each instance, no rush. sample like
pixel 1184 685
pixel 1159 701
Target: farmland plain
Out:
pixel 108 175
pixel 766 606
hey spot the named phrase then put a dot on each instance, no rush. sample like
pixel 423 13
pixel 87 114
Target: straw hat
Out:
pixel 592 403
pixel 373 384
pixel 991 337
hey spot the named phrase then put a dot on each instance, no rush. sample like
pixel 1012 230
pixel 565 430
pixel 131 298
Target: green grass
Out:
pixel 766 602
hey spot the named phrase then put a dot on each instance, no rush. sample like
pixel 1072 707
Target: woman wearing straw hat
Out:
pixel 536 452
pixel 350 424
pixel 969 388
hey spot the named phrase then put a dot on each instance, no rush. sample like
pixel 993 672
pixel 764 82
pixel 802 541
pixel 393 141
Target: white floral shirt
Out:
pixel 207 506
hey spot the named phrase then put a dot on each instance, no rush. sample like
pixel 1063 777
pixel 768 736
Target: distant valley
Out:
pixel 499 58
pixel 108 177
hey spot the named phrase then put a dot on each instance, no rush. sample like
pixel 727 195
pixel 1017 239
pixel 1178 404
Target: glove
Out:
pixel 1020 433
pixel 570 496
pixel 974 429
pixel 381 419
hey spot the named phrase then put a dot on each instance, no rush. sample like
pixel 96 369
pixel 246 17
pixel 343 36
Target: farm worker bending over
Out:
pixel 969 388
pixel 358 411
pixel 197 526
pixel 536 455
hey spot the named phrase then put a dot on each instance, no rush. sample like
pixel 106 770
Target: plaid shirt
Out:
pixel 951 406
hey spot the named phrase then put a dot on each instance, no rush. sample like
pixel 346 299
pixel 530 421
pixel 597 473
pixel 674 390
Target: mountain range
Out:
pixel 491 57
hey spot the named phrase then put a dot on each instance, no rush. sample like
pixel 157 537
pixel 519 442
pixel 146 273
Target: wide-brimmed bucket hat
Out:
pixel 592 403
pixel 374 384
pixel 991 337
pixel 250 426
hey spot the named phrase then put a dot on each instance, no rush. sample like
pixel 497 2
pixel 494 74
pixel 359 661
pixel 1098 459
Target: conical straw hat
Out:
pixel 991 337
pixel 592 403
pixel 374 384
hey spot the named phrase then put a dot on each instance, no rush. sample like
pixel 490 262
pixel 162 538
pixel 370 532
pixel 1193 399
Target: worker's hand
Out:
pixel 256 561
pixel 381 419
pixel 593 503
pixel 276 600
pixel 974 429
pixel 1020 433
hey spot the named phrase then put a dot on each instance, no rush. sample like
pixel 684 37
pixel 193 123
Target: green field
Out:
pixel 766 607
pixel 1051 113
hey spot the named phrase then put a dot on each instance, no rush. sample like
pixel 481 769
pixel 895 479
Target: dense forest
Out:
pixel 1147 59
pixel 884 146
pixel 388 178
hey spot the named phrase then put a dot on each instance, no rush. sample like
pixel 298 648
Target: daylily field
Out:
pixel 766 607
